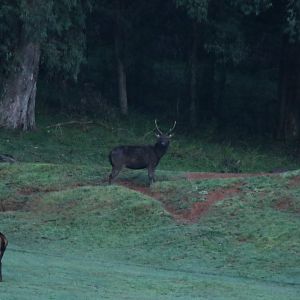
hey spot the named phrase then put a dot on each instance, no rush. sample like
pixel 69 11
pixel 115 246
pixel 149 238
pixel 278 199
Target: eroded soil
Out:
pixel 193 213
pixel 188 214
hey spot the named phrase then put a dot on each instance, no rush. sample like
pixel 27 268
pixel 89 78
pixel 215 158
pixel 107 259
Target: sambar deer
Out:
pixel 140 156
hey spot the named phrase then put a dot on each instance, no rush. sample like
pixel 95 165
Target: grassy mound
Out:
pixel 71 236
pixel 75 235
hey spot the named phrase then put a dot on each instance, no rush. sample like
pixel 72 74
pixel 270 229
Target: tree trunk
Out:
pixel 289 92
pixel 193 66
pixel 122 87
pixel 282 90
pixel 219 83
pixel 17 105
pixel 119 50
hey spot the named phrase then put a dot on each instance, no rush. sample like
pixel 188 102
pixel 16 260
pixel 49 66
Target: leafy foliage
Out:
pixel 253 7
pixel 240 57
pixel 57 25
pixel 8 21
pixel 293 20
pixel 196 9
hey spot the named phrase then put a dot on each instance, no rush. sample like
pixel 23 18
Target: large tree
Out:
pixel 197 10
pixel 215 42
pixel 289 74
pixel 38 31
pixel 120 41
pixel 281 20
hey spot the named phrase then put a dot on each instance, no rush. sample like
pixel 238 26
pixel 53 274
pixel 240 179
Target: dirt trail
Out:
pixel 210 175
pixel 198 209
pixel 189 215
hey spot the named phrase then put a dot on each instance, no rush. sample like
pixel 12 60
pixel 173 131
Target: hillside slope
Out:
pixel 189 236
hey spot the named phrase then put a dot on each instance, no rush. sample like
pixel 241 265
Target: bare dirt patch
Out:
pixel 204 175
pixel 12 205
pixel 287 204
pixel 200 208
pixel 142 189
pixel 284 204
pixel 27 191
pixel 193 213
pixel 294 181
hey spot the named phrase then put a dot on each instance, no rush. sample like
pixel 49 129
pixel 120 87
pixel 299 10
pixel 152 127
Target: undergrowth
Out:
pixel 64 141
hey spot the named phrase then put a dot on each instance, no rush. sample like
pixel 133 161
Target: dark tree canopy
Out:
pixel 220 63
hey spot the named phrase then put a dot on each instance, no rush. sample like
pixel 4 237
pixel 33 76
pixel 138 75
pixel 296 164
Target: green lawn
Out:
pixel 71 236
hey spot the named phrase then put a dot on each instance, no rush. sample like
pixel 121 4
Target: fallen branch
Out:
pixel 70 123
pixel 7 158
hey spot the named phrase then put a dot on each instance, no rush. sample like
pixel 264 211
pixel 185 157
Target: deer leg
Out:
pixel 114 173
pixel 0 271
pixel 151 175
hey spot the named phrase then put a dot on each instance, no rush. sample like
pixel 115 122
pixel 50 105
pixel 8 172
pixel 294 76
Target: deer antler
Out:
pixel 159 131
pixel 171 129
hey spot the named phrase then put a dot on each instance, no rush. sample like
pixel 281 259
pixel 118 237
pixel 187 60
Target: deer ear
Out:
pixel 157 135
pixel 170 135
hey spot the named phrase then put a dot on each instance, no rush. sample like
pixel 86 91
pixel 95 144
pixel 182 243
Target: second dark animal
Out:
pixel 140 156
pixel 3 245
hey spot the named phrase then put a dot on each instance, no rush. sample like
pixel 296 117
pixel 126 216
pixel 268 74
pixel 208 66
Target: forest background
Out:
pixel 229 65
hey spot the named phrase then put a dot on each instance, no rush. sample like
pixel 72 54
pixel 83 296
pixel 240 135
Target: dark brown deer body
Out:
pixel 3 245
pixel 140 157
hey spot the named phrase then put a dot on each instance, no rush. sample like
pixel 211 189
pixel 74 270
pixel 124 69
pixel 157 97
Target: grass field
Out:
pixel 190 236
